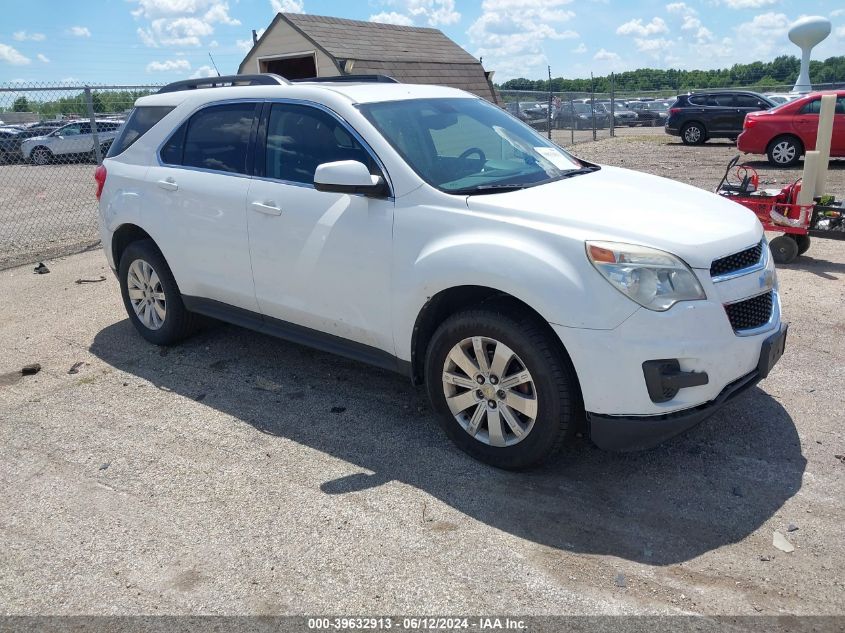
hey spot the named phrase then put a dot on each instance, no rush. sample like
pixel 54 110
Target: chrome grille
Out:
pixel 751 313
pixel 737 261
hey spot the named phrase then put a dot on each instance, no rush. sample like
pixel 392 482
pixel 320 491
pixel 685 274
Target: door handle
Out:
pixel 169 184
pixel 268 207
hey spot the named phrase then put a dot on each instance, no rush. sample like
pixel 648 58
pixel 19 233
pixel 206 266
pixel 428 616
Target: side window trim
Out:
pixel 261 142
pixel 185 124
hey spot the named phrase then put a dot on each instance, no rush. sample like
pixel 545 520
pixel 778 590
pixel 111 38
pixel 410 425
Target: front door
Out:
pixel 320 260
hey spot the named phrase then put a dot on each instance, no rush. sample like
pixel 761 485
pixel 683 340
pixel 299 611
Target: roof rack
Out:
pixel 379 79
pixel 265 79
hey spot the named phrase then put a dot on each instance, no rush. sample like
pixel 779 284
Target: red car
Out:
pixel 785 132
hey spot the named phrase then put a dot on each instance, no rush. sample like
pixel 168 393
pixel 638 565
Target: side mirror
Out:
pixel 348 176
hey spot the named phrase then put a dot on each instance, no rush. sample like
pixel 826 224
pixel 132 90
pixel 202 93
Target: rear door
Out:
pixel 722 114
pixel 745 104
pixel 197 203
pixel 837 143
pixel 806 123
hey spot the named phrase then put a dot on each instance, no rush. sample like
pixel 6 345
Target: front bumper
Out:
pixel 630 433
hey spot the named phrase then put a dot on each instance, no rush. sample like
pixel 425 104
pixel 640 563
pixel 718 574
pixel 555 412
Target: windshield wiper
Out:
pixel 482 189
pixel 586 169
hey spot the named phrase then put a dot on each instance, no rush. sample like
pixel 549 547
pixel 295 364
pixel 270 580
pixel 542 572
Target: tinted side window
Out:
pixel 747 101
pixel 218 138
pixel 139 123
pixel 701 100
pixel 85 128
pixel 812 107
pixel 171 152
pixel 840 105
pixel 299 138
pixel 724 101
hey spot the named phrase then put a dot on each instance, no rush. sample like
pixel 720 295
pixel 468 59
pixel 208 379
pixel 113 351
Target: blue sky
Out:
pixel 138 41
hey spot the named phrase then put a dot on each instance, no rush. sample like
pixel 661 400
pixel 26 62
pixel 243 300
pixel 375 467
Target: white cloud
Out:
pixel 180 22
pixel 680 7
pixel 43 58
pixel 691 23
pixel 603 55
pixel 392 17
pixel 765 25
pixel 182 31
pixel 510 34
pixel 12 56
pixel 204 71
pixel 580 49
pixel 22 36
pixel 652 45
pixel 636 27
pixel 246 45
pixel 79 31
pixel 288 6
pixel 837 12
pixel 168 66
pixel 748 4
pixel 840 32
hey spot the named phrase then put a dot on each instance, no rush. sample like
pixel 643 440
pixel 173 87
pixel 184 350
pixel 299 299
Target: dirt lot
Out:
pixel 241 474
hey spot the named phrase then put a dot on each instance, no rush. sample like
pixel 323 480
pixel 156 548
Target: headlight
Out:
pixel 655 279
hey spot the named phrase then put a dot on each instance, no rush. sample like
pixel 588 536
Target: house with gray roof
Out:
pixel 299 46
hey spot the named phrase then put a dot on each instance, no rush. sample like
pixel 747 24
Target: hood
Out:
pixel 36 138
pixel 621 205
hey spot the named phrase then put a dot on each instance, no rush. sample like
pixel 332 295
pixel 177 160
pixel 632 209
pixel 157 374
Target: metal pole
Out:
pixel 612 104
pixel 549 115
pixel 97 154
pixel 593 104
pixel 572 121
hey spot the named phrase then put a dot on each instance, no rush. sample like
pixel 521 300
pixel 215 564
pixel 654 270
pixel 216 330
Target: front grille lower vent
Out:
pixel 750 313
pixel 737 261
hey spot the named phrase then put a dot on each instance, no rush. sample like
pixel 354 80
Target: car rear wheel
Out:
pixel 785 151
pixel 41 156
pixel 151 296
pixel 503 391
pixel 693 134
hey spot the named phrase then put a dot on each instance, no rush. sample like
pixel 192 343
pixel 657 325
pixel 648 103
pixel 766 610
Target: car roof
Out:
pixel 364 92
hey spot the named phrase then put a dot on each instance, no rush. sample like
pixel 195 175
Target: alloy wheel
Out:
pixel 40 157
pixel 146 294
pixel 490 391
pixel 692 134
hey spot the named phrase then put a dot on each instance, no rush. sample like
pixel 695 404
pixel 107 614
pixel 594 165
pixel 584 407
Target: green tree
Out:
pixel 20 105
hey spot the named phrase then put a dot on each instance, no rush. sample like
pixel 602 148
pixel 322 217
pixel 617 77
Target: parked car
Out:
pixel 624 116
pixel 650 113
pixel 700 116
pixel 72 139
pixel 778 98
pixel 422 229
pixel 515 108
pixel 10 144
pixel 579 115
pixel 784 133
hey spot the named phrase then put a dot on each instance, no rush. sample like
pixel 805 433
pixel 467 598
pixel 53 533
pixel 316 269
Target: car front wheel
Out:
pixel 151 296
pixel 502 389
pixel 41 156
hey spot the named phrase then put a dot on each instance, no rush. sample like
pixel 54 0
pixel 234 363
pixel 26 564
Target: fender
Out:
pixel 563 290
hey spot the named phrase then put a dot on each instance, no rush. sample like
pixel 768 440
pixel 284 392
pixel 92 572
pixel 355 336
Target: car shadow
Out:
pixel 711 487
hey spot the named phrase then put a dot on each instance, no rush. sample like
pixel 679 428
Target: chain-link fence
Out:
pixel 51 137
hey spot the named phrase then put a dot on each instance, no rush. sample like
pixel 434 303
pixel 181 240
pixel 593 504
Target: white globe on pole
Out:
pixel 805 34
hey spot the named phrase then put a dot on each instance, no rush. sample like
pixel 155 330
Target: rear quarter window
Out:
pixel 140 122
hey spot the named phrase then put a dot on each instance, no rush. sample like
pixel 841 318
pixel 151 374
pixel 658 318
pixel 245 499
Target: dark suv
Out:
pixel 701 116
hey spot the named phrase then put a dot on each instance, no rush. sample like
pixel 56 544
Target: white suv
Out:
pixel 428 231
pixel 74 139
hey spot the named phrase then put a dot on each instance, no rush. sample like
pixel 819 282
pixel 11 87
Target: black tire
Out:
pixel 785 151
pixel 178 323
pixel 41 156
pixel 784 249
pixel 693 134
pixel 554 382
pixel 803 242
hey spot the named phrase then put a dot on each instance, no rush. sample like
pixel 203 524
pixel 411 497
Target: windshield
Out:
pixel 468 145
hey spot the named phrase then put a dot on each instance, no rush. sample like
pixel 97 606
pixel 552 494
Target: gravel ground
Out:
pixel 240 474
pixel 46 211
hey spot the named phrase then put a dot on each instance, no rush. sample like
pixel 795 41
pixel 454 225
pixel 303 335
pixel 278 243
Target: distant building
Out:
pixel 298 46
